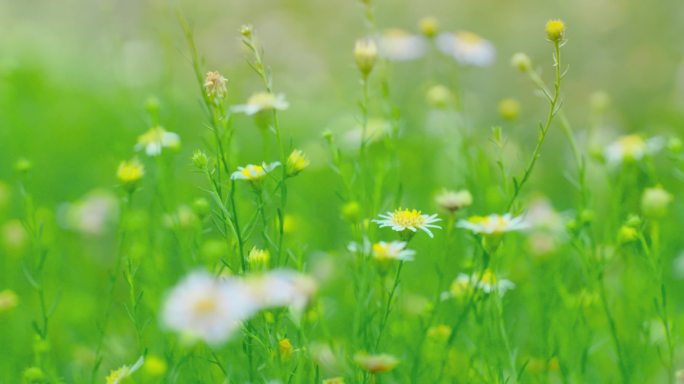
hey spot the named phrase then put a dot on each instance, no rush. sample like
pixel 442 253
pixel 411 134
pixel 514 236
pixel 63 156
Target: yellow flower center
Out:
pixel 488 278
pixel 408 218
pixel 469 38
pixel 263 100
pixel 205 306
pixel 154 135
pixel 632 145
pixel 381 251
pixel 253 171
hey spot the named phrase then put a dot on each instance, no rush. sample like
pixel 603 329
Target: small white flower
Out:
pixel 262 101
pixel 408 220
pixel 281 288
pixel 452 201
pixel 155 139
pixel 394 250
pixel 206 307
pixel 486 281
pixel 493 224
pixel 254 172
pixel 118 375
pixel 467 48
pixel 631 148
pixel 92 215
pixel 399 45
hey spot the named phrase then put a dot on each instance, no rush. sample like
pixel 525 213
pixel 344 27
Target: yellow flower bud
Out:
pixel 429 26
pixel 285 348
pixel 655 202
pixel 555 30
pixel 509 109
pixel 365 53
pixel 521 62
pixel 258 258
pixel 296 162
pixel 130 173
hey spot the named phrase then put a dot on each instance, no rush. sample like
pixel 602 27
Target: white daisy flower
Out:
pixel 408 220
pixel 262 101
pixel 452 201
pixel 281 288
pixel 631 148
pixel 118 375
pixel 399 45
pixel 467 48
pixel 254 172
pixel 155 139
pixel 493 224
pixel 486 282
pixel 207 308
pixel 394 250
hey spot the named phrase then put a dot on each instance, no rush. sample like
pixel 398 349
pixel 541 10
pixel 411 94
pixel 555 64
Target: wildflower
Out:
pixel 365 53
pixel 467 48
pixel 296 162
pixel 157 138
pixel 493 224
pixel 154 366
pixel 452 201
pixel 207 308
pixel 487 282
pixel 394 250
pixel 631 148
pixel 376 363
pixel 555 30
pixel 8 300
pixel 258 258
pixel 429 26
pixel 262 101
pixel 375 130
pixel 439 96
pixel 118 375
pixel 405 220
pixel 281 288
pixel 95 213
pixel 14 236
pixel 655 202
pixel 285 348
pixel 399 45
pixel 201 207
pixel 509 109
pixel 246 31
pixel 215 85
pixel 200 159
pixel 254 173
pixel 130 173
pixel 521 62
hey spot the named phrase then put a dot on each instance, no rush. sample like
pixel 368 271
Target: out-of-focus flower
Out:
pixel 407 220
pixel 200 159
pixel 467 48
pixel 351 211
pixel 156 139
pixel 631 148
pixel 183 218
pixel 130 173
pixel 394 250
pixel 365 54
pixel 399 45
pixel 253 172
pixel 297 162
pixel 429 26
pixel 285 348
pixel 262 101
pixel 453 201
pixel 376 129
pixel 439 333
pixel 655 202
pixel 281 288
pixel 486 282
pixel 439 96
pixel 509 109
pixel 493 224
pixel 521 62
pixel 379 363
pixel 8 300
pixel 92 215
pixel 207 308
pixel 14 236
pixel 118 376
pixel 215 85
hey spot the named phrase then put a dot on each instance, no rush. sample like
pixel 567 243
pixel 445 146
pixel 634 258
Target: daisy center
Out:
pixel 205 306
pixel 408 218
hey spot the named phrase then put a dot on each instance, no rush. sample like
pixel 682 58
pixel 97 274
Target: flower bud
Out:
pixel 555 30
pixel 509 109
pixel 627 234
pixel 200 159
pixel 521 62
pixel 215 85
pixel 296 162
pixel 365 53
pixel 429 26
pixel 453 201
pixel 655 202
pixel 351 211
pixel 258 258
pixel 130 173
pixel 439 96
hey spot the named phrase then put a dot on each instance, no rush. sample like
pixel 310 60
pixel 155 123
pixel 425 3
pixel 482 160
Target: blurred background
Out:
pixel 75 76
